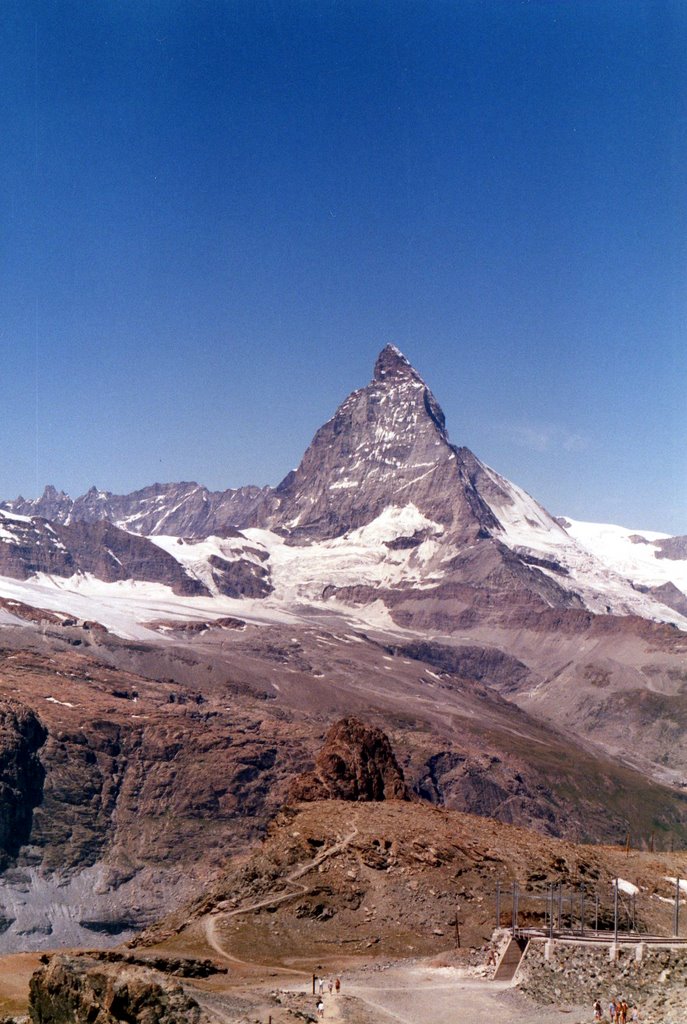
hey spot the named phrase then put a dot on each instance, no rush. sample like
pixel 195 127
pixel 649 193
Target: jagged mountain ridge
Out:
pixel 181 509
pixel 386 447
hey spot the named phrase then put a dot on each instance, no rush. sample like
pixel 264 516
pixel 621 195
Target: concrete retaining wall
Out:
pixel 576 974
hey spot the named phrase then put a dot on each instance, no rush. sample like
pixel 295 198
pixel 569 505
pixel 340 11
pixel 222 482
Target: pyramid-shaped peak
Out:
pixel 392 363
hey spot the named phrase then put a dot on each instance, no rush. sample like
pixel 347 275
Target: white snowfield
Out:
pixel 299 576
pixel 601 563
pixel 303 577
pixel 634 553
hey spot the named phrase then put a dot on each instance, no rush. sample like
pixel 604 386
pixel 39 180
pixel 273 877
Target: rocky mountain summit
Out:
pixel 386 443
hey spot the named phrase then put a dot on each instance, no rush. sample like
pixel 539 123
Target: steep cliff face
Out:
pixel 22 736
pixel 29 546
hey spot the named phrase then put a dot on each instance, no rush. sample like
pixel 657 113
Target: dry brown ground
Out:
pixel 15 972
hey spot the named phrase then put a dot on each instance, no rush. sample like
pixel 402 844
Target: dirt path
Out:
pixel 209 922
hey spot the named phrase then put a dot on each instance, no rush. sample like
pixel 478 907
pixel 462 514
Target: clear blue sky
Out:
pixel 215 214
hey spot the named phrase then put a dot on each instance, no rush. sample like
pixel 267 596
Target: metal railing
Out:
pixel 585 911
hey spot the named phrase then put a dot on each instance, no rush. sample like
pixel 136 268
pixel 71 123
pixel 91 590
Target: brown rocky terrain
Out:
pixel 392 876
pixel 86 991
pixel 137 768
pixel 338 885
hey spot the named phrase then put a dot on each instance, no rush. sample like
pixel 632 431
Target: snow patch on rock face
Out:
pixel 195 555
pixel 673 881
pixel 627 887
pixel 359 558
pixel 393 523
pixel 524 521
pixel 8 526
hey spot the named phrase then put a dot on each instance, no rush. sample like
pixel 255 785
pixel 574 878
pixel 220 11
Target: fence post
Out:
pixel 615 912
pixel 676 914
pixel 498 904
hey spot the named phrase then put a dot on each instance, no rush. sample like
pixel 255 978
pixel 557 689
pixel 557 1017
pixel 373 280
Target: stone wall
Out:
pixel 653 977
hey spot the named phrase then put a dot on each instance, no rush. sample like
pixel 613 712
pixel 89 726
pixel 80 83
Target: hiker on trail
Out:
pixel 330 986
pixel 337 985
pixel 320 1009
pixel 623 1011
pixel 612 1012
pixel 320 986
pixel 598 1012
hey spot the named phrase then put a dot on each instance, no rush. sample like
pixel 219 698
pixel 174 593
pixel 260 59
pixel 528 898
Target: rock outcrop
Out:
pixel 355 763
pixel 81 990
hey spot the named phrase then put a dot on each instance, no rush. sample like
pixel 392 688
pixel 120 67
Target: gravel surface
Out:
pixel 418 994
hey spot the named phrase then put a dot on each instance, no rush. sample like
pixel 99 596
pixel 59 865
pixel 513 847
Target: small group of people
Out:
pixel 334 985
pixel 619 1011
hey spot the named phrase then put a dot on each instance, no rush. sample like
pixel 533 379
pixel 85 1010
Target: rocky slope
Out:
pixel 392 878
pixel 140 767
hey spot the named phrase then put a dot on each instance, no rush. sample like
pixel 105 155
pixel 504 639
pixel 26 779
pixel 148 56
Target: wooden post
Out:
pixel 676 914
pixel 457 928
pixel 498 904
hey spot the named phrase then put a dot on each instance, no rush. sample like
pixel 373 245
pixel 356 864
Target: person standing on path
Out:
pixel 320 1009
pixel 337 985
